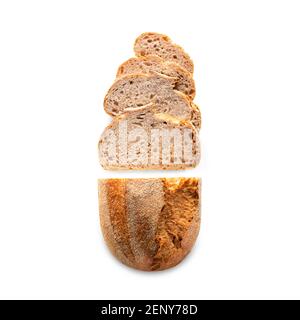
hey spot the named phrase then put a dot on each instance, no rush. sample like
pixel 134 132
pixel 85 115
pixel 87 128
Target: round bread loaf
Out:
pixel 150 224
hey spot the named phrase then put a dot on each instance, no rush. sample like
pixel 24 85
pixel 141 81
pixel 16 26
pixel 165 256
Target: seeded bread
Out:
pixel 158 44
pixel 150 224
pixel 153 65
pixel 133 92
pixel 149 140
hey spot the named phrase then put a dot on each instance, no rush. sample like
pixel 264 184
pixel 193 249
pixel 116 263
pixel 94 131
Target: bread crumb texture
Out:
pixel 156 65
pixel 150 224
pixel 151 43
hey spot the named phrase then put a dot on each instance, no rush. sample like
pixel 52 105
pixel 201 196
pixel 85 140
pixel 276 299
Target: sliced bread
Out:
pixel 135 92
pixel 154 64
pixel 149 140
pixel 150 43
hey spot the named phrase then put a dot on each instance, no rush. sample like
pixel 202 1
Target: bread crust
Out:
pixel 112 198
pixel 158 220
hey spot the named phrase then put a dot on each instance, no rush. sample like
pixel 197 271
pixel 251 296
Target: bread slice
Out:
pixel 153 65
pixel 133 92
pixel 150 224
pixel 150 43
pixel 149 140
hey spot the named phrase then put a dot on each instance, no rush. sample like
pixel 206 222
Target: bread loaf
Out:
pixel 148 140
pixel 153 65
pixel 150 224
pixel 133 92
pixel 150 43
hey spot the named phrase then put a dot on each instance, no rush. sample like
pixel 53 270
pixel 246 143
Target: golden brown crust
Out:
pixel 154 222
pixel 114 226
pixel 176 221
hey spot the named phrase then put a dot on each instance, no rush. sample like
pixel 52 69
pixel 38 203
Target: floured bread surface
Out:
pixel 135 92
pixel 153 65
pixel 149 140
pixel 151 43
pixel 150 224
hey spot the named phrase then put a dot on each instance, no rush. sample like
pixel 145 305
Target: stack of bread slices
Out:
pixel 153 92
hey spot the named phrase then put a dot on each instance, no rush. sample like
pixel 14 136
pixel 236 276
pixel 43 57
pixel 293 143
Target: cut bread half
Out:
pixel 150 43
pixel 135 92
pixel 149 140
pixel 150 224
pixel 153 65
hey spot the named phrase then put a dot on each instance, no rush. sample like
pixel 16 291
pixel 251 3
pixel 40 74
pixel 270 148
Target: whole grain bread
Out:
pixel 151 43
pixel 150 224
pixel 148 139
pixel 133 92
pixel 153 65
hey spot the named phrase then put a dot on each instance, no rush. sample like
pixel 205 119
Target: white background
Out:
pixel 57 60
